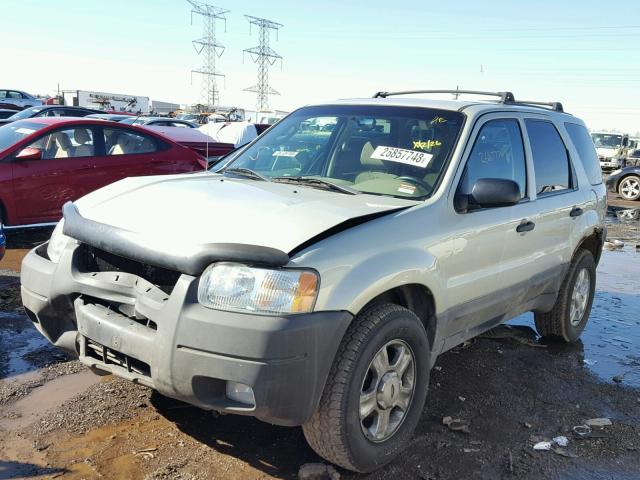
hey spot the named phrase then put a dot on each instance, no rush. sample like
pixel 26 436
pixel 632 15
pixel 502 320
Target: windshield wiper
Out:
pixel 318 183
pixel 246 172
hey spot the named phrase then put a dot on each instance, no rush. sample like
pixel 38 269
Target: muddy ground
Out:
pixel 57 420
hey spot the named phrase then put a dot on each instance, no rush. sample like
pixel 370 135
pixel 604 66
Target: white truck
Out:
pixel 117 102
pixel 612 149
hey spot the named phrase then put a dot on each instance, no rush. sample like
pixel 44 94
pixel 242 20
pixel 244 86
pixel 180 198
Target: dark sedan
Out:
pixel 159 122
pixel 48 111
pixel 625 182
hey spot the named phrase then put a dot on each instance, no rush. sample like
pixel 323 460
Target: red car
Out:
pixel 45 162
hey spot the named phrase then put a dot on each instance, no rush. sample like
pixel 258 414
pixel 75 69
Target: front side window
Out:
pixel 587 153
pixel 498 152
pixel 382 150
pixel 67 143
pixel 550 157
pixel 121 142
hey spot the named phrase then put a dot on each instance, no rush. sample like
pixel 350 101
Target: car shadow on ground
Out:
pixel 509 393
pixel 10 469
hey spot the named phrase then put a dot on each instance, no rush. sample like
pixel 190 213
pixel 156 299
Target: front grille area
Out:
pixel 111 357
pixel 92 259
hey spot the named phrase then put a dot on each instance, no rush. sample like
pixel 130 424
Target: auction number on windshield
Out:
pixel 400 155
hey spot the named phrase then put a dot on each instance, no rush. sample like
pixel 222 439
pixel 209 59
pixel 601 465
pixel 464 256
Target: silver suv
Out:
pixel 316 276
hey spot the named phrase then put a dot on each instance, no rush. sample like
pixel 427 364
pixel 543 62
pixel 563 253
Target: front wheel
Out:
pixel 570 314
pixel 375 392
pixel 629 188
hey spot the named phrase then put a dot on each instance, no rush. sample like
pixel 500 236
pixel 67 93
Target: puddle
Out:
pixel 623 215
pixel 22 347
pixel 31 408
pixel 611 340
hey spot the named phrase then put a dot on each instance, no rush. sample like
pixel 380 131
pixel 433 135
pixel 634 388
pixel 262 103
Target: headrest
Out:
pixel 365 156
pixel 81 135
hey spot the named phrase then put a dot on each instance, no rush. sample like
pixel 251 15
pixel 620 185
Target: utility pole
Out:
pixel 209 48
pixel 265 57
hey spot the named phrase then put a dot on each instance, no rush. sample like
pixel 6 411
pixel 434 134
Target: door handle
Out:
pixel 576 212
pixel 525 227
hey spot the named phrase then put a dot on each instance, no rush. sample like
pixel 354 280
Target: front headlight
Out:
pixel 615 172
pixel 57 243
pixel 237 287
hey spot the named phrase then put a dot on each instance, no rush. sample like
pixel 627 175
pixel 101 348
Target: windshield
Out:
pixel 384 150
pixel 26 113
pixel 606 140
pixel 12 133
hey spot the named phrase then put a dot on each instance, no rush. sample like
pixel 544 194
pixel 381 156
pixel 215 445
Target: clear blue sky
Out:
pixel 584 53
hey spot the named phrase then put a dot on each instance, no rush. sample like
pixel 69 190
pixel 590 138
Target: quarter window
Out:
pixel 498 152
pixel 550 157
pixel 120 142
pixel 587 152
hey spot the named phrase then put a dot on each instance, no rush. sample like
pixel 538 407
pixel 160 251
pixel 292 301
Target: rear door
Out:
pixel 538 243
pixel 64 173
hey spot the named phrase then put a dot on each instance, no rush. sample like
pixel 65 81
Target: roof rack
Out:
pixel 555 106
pixel 505 97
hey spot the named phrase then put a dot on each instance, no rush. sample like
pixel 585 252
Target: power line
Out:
pixel 265 57
pixel 209 48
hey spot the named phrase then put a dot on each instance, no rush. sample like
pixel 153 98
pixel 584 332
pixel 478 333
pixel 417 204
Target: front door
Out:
pixel 63 173
pixel 477 289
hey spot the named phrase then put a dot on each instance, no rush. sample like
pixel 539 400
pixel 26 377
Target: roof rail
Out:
pixel 555 106
pixel 505 97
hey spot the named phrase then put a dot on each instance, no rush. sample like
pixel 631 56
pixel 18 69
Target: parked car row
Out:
pixel 45 162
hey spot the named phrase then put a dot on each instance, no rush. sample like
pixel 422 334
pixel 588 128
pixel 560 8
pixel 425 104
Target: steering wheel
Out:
pixel 416 181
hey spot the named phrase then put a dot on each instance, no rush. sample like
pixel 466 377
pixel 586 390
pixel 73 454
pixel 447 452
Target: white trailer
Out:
pixel 116 102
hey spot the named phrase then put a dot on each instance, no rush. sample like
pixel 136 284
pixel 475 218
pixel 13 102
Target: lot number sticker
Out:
pixel 400 155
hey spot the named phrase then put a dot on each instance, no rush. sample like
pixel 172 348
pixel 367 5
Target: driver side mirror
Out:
pixel 29 153
pixel 489 193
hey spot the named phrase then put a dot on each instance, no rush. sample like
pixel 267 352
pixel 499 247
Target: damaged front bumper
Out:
pixel 145 324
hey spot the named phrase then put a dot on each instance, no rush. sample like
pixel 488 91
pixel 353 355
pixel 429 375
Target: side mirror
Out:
pixel 495 192
pixel 489 193
pixel 29 153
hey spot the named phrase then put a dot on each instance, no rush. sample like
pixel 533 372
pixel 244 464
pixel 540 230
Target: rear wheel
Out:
pixel 570 314
pixel 375 392
pixel 629 188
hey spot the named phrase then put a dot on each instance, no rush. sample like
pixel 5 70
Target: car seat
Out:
pixel 122 146
pixel 371 168
pixel 83 138
pixel 64 147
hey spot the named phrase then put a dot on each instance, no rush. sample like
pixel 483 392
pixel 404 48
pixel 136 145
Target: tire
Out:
pixel 558 323
pixel 629 187
pixel 336 431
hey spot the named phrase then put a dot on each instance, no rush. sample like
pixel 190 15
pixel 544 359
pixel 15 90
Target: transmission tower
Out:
pixel 265 57
pixel 209 48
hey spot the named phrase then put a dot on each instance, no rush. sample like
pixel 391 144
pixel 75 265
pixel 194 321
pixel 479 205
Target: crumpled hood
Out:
pixel 209 208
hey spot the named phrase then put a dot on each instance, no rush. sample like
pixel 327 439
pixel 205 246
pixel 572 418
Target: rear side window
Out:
pixel 550 157
pixel 121 142
pixel 586 150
